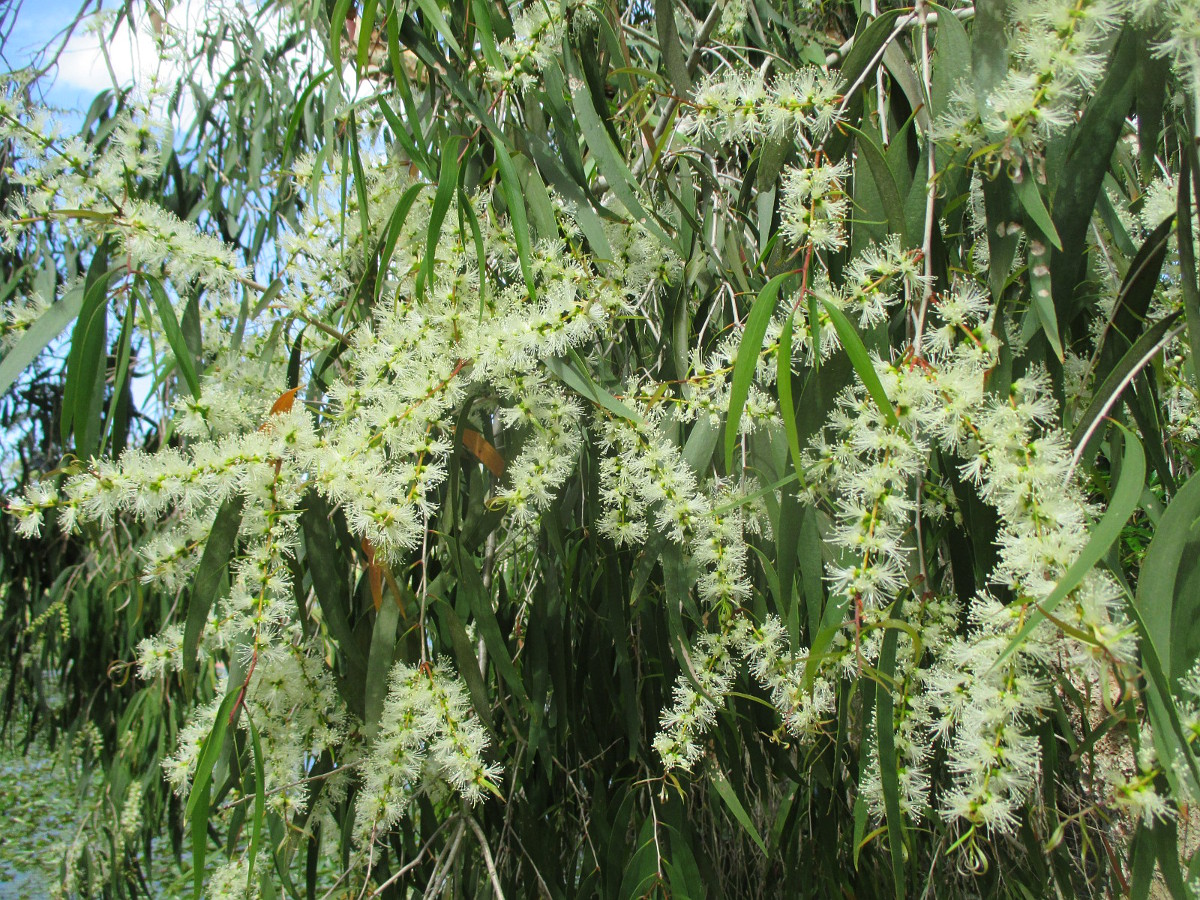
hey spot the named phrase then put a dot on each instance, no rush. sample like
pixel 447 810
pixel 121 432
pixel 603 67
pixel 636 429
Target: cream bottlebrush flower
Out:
pixel 1180 38
pixel 161 653
pixel 181 765
pixel 727 106
pixel 738 106
pixel 867 465
pixel 803 103
pixel 647 475
pixel 696 702
pixel 814 206
pixel 427 729
pixel 19 314
pixel 231 881
pixel 537 36
pixel 299 715
pixel 154 238
pixel 1059 51
pixel 781 673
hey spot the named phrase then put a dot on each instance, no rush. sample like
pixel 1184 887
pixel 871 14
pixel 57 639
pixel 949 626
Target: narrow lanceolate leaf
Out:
pixel 434 13
pixel 170 326
pixel 218 552
pixel 1120 377
pixel 1035 208
pixel 510 184
pixel 744 366
pixel 447 184
pixel 576 378
pixel 885 183
pixel 787 406
pixel 379 663
pixel 1189 287
pixel 199 798
pixel 1042 296
pixel 612 165
pixel 726 792
pixel 861 360
pixel 888 768
pixel 1088 156
pixel 1167 595
pixel 1125 499
pixel 260 793
pixel 50 324
pixel 87 363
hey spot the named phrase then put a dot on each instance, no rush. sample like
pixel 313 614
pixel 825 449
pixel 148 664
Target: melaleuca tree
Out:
pixel 580 449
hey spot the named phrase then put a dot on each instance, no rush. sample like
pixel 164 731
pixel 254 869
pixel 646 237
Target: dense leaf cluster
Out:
pixel 576 448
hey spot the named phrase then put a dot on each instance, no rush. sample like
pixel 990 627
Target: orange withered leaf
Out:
pixel 285 401
pixel 483 451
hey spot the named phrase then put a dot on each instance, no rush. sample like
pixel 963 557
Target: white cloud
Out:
pixel 97 57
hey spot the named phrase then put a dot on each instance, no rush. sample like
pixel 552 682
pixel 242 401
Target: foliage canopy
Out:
pixel 578 448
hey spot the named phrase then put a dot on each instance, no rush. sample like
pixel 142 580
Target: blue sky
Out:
pixel 82 72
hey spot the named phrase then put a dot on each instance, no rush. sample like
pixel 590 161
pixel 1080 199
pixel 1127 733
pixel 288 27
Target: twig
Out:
pixel 487 856
pixel 442 869
pixel 411 864
pixel 836 56
pixel 229 804
pixel 706 29
pixel 930 183
pixel 1116 393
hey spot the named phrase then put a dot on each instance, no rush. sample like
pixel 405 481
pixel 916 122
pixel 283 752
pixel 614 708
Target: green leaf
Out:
pixel 301 102
pixel 434 13
pixel 612 164
pixel 49 325
pixel 671 53
pixel 329 570
pixel 218 552
pixel 861 360
pixel 576 377
pixel 260 777
pixel 1041 293
pixel 787 406
pixel 446 187
pixel 366 35
pixel 471 584
pixel 889 192
pixel 170 326
pixel 514 197
pixel 118 407
pixel 1120 377
pixel 199 797
pixel 467 662
pixel 753 332
pixel 1189 287
pixel 487 36
pixel 1031 201
pixel 1137 289
pixel 1170 740
pixel 1087 160
pixel 360 179
pixel 337 27
pixel 1167 595
pixel 888 767
pixel 87 362
pixel 866 45
pixel 725 791
pixel 379 662
pixel 951 59
pixel 1125 499
pixel 989 48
